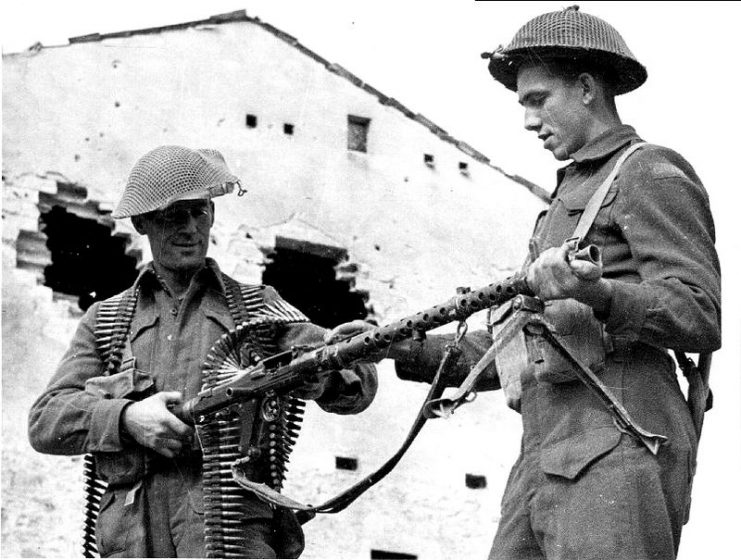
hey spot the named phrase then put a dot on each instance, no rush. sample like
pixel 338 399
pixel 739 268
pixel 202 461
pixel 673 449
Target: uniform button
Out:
pixel 169 337
pixel 174 311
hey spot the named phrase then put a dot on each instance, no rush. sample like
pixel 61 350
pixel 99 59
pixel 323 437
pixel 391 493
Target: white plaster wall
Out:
pixel 87 111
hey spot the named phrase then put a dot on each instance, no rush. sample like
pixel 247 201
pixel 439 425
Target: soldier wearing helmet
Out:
pixel 582 487
pixel 113 399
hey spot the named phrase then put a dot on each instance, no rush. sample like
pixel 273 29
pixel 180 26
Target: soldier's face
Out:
pixel 554 109
pixel 179 234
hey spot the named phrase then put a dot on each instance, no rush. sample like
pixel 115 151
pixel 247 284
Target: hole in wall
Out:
pixel 87 261
pixel 308 280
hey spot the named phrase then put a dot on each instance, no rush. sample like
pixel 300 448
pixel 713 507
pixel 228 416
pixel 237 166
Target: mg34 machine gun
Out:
pixel 236 376
pixel 242 380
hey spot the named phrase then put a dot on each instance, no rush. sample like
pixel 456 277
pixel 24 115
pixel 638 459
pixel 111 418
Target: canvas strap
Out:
pixel 699 396
pixel 595 203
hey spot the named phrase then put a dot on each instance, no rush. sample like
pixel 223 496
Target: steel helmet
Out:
pixel 572 35
pixel 171 173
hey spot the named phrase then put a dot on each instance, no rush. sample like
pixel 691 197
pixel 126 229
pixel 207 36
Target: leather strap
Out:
pixel 336 504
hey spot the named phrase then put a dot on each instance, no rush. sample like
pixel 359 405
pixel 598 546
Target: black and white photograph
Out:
pixel 390 280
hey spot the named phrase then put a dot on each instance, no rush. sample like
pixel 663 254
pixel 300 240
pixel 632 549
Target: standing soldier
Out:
pixel 583 488
pixel 112 397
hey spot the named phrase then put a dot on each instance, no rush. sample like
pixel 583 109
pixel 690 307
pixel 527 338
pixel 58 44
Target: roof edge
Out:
pixel 337 69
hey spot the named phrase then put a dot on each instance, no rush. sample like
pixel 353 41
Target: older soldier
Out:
pixel 116 402
pixel 582 488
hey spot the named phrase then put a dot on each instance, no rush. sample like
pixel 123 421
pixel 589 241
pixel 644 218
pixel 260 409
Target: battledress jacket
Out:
pixel 169 341
pixel 656 233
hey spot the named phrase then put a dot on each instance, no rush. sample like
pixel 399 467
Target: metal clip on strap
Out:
pixel 466 393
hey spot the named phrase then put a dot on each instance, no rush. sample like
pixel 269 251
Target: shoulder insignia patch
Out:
pixel 662 170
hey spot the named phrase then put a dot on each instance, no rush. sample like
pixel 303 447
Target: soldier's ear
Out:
pixel 213 211
pixel 588 87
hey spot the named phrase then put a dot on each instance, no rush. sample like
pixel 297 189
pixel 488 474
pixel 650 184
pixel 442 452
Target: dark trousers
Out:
pixel 162 517
pixel 626 505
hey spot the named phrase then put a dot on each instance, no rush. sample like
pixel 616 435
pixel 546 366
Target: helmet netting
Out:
pixel 169 173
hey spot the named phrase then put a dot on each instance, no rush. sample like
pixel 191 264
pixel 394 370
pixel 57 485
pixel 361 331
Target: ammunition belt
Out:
pixel 112 324
pixel 261 431
pixel 265 430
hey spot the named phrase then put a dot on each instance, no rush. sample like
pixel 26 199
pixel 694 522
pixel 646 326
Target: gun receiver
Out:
pixel 286 371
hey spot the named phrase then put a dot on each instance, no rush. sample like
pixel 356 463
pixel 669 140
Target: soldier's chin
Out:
pixel 560 154
pixel 190 259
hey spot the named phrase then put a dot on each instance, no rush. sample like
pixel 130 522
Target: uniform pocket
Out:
pixel 289 536
pixel 130 465
pixel 129 382
pixel 511 358
pixel 120 525
pixel 581 333
pixel 570 457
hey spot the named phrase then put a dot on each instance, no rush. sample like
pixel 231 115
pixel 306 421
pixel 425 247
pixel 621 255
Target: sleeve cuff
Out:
pixel 627 313
pixel 105 425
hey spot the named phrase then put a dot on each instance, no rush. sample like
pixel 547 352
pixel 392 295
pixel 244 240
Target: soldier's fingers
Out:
pixel 346 330
pixel 169 447
pixel 586 270
pixel 171 397
pixel 177 428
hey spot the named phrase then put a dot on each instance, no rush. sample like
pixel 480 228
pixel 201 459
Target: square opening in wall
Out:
pixel 251 121
pixel 346 463
pixel 429 160
pixel 463 167
pixel 475 481
pixel 288 129
pixel 357 133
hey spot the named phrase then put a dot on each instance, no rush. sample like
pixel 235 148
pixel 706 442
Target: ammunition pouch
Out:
pixel 576 326
pixel 289 536
pixel 526 353
pixel 511 360
pixel 131 464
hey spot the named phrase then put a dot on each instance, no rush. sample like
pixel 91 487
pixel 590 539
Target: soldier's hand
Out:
pixel 347 330
pixel 152 425
pixel 554 276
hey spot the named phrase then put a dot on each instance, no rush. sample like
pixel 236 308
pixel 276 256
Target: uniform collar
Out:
pixel 605 144
pixel 210 274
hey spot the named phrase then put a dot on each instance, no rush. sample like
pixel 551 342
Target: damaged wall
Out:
pixel 413 228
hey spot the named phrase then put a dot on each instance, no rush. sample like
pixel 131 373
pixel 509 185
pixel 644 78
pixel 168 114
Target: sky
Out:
pixel 426 54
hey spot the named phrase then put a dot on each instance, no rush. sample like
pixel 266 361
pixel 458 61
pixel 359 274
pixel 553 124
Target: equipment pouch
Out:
pixel 576 326
pixel 511 359
pixel 127 466
pixel 289 536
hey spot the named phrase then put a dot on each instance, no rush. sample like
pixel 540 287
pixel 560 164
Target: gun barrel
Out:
pixel 457 308
pixel 367 345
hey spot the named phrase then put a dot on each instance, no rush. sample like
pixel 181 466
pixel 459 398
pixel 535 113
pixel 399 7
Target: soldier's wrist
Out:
pixel 598 296
pixel 123 433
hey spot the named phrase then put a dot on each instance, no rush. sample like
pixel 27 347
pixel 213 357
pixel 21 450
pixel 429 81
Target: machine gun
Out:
pixel 281 373
pixel 239 376
pixel 288 370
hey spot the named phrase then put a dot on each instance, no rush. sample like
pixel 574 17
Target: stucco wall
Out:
pixel 86 111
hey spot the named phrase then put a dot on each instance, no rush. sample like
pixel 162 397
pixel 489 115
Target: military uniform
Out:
pixel 581 488
pixel 118 409
pixel 161 514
